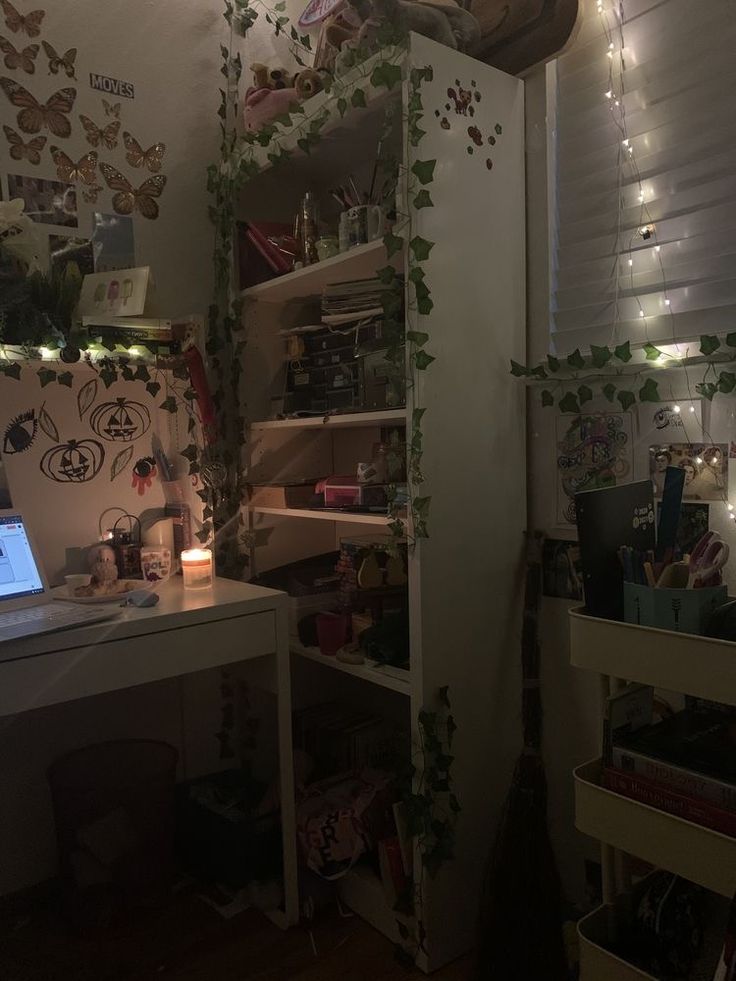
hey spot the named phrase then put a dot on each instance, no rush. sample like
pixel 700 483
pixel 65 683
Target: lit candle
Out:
pixel 196 566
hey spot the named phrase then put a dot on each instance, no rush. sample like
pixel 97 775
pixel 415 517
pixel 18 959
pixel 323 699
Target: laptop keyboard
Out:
pixel 54 616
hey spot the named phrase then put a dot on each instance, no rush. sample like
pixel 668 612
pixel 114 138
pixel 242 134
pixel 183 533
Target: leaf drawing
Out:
pixel 87 395
pixel 121 461
pixel 47 424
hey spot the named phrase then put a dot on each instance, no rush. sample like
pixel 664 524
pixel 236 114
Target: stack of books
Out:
pixel 356 300
pixel 684 765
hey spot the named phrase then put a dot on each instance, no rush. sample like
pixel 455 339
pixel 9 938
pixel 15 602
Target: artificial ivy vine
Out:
pixel 577 379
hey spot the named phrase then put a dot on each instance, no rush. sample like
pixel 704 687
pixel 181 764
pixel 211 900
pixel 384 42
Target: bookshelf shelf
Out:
pixel 694 852
pixel 354 519
pixel 700 666
pixel 395 679
pixel 358 263
pixel 352 420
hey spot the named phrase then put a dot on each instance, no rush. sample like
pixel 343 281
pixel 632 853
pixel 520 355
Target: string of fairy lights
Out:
pixel 613 20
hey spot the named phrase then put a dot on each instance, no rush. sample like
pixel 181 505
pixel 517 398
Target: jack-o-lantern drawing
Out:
pixel 120 421
pixel 74 462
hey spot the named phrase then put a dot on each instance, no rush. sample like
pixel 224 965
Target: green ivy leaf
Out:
pixel 45 376
pixel 12 370
pixel 66 378
pixel 731 339
pixel 168 404
pixel 609 390
pixel 585 394
pixel 553 363
pixel 651 352
pixel 423 200
pixel 518 370
pixel 421 248
pixel 416 275
pixel 423 170
pixel 569 403
pixel 649 391
pixel 342 106
pixel 153 388
pixel 357 99
pixel 707 390
pixel 418 337
pixel 422 360
pixel 576 360
pixel 623 352
pixel 708 344
pixel 547 397
pixel 538 372
pixel 424 306
pixel 386 75
pixel 726 382
pixel 626 399
pixel 392 243
pixel 142 373
pixel 387 275
pixel 600 356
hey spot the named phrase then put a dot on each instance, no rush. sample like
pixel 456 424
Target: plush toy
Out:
pixel 309 82
pixel 444 21
pixel 271 78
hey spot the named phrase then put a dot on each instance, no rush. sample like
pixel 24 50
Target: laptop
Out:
pixel 27 607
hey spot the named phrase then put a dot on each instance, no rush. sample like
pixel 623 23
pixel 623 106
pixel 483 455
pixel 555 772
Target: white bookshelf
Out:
pixel 347 420
pixel 700 666
pixel 464 608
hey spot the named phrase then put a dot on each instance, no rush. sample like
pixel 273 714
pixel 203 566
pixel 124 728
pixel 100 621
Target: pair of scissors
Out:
pixel 706 561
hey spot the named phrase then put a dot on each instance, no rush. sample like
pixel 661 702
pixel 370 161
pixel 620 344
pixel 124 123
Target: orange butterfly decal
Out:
pixel 110 109
pixel 30 151
pixel 138 157
pixel 19 59
pixel 31 23
pixel 127 199
pixel 57 61
pixel 34 116
pixel 85 170
pixel 90 193
pixel 107 137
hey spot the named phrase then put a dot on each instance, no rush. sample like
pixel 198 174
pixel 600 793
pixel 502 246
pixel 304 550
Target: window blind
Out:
pixel 644 234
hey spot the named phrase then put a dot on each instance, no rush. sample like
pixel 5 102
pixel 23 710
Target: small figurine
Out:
pixel 102 564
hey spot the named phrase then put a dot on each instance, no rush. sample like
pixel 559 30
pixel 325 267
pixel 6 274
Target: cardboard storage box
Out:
pixel 296 495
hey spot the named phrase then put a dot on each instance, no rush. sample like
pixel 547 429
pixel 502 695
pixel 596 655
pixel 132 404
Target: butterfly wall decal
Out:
pixel 30 151
pixel 138 157
pixel 85 170
pixel 128 199
pixel 58 62
pixel 106 136
pixel 90 193
pixel 30 24
pixel 110 109
pixel 35 116
pixel 15 59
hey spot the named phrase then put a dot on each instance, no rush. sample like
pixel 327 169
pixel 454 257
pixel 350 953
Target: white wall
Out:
pixel 170 52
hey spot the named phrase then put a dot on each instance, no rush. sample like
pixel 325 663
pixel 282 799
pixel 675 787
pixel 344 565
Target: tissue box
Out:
pixel 685 610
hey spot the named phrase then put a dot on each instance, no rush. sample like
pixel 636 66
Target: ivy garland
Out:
pixel 609 371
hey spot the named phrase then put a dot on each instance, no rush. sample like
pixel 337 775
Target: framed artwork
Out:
pixel 705 466
pixel 593 451
pixel 119 293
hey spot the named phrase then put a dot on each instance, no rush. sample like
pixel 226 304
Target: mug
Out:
pixel 155 563
pixel 365 224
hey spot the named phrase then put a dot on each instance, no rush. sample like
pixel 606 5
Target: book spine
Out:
pixel 695 785
pixel 666 799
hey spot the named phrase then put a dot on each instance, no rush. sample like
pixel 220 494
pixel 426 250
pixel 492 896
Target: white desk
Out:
pixel 186 632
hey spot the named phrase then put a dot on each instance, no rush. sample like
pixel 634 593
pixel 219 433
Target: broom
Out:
pixel 520 930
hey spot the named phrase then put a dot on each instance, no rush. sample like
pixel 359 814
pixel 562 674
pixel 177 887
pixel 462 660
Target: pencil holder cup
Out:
pixel 686 611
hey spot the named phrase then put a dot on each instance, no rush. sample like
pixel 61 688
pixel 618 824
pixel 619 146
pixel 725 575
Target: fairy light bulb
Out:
pixel 699 460
pixel 641 313
pixel 657 248
pixel 624 142
pixel 729 506
pixel 609 94
pixel 668 303
pixel 692 408
pixel 714 460
pixel 631 262
pixel 676 409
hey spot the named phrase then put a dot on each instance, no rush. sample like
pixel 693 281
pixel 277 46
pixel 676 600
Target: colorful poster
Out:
pixel 705 466
pixel 593 451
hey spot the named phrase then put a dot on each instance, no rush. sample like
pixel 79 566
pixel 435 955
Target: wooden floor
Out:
pixel 188 941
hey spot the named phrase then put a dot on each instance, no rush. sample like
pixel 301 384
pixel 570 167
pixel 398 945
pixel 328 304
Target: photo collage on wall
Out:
pixel 61 161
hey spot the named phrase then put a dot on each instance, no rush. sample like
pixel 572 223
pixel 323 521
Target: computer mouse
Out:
pixel 142 597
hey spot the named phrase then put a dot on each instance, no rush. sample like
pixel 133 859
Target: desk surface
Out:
pixel 177 608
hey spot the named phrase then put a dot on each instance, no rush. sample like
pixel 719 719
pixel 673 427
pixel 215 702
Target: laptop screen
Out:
pixel 19 575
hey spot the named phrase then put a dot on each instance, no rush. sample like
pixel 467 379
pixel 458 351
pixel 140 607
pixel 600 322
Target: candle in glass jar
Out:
pixel 196 566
